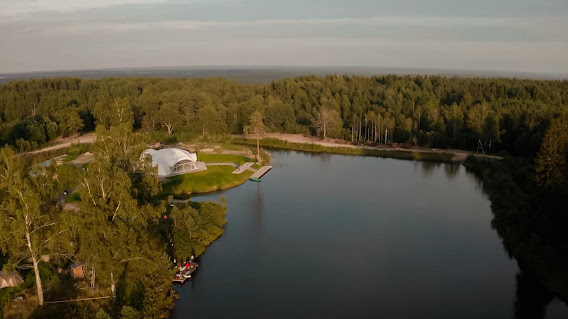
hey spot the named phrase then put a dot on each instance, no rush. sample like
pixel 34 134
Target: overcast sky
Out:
pixel 497 35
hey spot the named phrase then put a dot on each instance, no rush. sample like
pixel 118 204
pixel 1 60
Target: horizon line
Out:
pixel 371 68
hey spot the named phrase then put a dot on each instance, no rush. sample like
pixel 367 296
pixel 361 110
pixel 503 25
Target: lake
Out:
pixel 336 236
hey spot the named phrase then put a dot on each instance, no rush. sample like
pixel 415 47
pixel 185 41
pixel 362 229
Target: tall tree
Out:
pixel 114 222
pixel 209 121
pixel 327 122
pixel 256 127
pixel 551 163
pixel 455 118
pixel 69 121
pixel 169 116
pixel 29 218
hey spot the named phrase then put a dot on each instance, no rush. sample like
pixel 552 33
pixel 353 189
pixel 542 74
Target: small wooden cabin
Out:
pixel 77 270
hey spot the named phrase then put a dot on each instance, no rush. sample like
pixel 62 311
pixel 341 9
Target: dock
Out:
pixel 184 273
pixel 258 174
pixel 180 280
pixel 243 167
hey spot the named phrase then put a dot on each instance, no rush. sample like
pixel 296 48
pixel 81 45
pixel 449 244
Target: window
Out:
pixel 184 166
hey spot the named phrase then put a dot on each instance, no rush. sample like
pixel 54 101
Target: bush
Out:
pixel 128 312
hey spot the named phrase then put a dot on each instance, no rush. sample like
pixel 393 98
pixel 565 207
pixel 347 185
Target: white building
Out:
pixel 172 161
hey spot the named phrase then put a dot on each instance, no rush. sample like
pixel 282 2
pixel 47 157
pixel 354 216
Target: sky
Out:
pixel 493 35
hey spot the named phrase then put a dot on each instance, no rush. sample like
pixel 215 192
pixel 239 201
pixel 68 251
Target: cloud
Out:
pixel 64 34
pixel 23 8
pixel 391 21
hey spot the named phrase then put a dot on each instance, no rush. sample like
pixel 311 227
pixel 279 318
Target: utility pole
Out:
pixel 480 146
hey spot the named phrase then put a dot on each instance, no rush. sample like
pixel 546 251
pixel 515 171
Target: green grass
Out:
pixel 213 179
pixel 316 148
pixel 256 166
pixel 70 157
pixel 223 158
pixel 73 198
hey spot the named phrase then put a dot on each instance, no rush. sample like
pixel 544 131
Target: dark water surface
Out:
pixel 336 236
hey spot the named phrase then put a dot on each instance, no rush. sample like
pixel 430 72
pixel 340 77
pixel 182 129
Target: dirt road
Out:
pixel 66 142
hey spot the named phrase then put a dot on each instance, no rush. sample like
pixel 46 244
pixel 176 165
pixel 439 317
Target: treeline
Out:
pixel 529 197
pixel 530 219
pixel 505 114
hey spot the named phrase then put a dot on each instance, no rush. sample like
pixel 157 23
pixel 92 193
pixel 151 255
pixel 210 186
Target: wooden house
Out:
pixel 77 270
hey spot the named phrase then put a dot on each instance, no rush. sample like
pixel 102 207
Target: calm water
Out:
pixel 340 236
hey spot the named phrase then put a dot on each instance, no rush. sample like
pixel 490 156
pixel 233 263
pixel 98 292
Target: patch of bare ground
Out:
pixel 66 142
pixel 215 149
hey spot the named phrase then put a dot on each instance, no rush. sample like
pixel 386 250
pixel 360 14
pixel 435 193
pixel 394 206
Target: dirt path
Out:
pixel 459 155
pixel 66 142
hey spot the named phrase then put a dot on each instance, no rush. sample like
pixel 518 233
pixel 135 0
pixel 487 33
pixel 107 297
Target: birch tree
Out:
pixel 169 116
pixel 326 122
pixel 29 224
pixel 115 214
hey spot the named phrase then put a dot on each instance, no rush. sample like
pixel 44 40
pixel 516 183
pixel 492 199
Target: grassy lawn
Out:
pixel 223 158
pixel 70 157
pixel 214 178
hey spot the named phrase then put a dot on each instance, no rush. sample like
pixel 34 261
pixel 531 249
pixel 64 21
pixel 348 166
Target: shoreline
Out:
pixel 299 142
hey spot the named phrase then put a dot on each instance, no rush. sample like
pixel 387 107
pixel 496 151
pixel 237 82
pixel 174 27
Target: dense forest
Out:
pixel 124 232
pixel 507 115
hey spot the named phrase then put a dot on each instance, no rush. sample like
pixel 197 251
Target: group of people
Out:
pixel 189 263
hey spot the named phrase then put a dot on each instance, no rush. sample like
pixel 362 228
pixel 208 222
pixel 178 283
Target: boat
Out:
pixel 254 179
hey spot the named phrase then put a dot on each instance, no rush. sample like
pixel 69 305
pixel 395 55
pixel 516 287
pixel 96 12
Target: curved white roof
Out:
pixel 167 158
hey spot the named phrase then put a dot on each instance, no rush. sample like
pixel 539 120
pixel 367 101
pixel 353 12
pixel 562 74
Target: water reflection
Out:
pixel 257 212
pixel 531 299
pixel 297 245
pixel 452 170
pixel 428 168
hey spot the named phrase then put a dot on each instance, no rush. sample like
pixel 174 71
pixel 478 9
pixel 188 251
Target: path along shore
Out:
pixel 458 155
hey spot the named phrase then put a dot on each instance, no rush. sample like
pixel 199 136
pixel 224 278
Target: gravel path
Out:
pixel 66 142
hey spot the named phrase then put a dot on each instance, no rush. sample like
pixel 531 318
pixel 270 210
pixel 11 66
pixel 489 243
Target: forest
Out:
pixel 128 234
pixel 125 234
pixel 507 115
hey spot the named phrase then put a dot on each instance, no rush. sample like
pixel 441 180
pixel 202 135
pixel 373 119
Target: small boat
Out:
pixel 254 179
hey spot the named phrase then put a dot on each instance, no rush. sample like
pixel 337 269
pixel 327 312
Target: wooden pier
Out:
pixel 185 273
pixel 258 174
